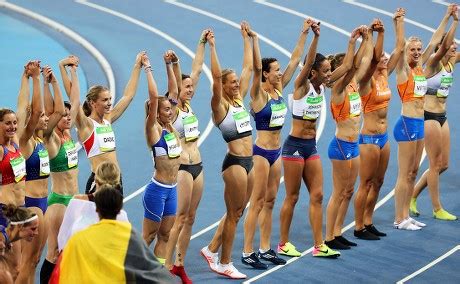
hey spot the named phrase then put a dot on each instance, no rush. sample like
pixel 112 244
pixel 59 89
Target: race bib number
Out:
pixel 191 127
pixel 446 83
pixel 174 148
pixel 313 108
pixel 278 114
pixel 44 163
pixel 355 104
pixel 420 86
pixel 242 121
pixel 19 168
pixel 106 138
pixel 71 153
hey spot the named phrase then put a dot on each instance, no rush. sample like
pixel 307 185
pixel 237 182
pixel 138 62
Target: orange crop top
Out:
pixel 351 105
pixel 415 87
pixel 379 96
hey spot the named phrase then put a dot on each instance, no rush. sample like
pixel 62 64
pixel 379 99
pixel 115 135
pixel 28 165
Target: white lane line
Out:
pixel 322 118
pixel 228 22
pixel 378 205
pixel 412 22
pixel 441 2
pixel 168 38
pixel 429 265
pixel 72 35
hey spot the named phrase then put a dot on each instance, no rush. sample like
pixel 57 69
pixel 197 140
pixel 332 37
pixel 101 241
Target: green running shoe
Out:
pixel 288 249
pixel 442 214
pixel 324 251
pixel 413 207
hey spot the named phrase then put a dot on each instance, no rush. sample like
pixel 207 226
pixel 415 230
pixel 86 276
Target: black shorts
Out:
pixel 439 117
pixel 195 169
pixel 245 162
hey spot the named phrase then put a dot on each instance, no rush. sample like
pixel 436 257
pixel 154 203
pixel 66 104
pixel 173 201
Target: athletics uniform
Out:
pixel 38 167
pixel 160 199
pixel 234 126
pixel 270 118
pixel 439 86
pixel 186 124
pixel 350 107
pixel 411 128
pixel 308 108
pixel 377 99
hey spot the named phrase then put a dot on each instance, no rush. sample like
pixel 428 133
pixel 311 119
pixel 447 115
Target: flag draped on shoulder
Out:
pixel 109 251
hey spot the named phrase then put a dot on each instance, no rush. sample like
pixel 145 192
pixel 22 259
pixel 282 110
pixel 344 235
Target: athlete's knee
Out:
pixel 190 219
pixel 149 236
pixel 163 236
pixel 444 167
pixel 348 193
pixel 292 198
pixel 316 197
pixel 378 182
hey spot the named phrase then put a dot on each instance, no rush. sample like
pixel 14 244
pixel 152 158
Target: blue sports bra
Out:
pixel 272 116
pixel 38 164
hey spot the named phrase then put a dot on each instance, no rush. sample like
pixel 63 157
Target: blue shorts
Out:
pixel 298 149
pixel 41 203
pixel 343 150
pixel 270 155
pixel 409 129
pixel 376 139
pixel 159 200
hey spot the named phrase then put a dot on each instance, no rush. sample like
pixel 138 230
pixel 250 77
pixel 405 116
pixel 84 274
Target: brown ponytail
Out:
pixel 92 95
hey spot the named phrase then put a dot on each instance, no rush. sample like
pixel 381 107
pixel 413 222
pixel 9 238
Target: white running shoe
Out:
pixel 212 258
pixel 417 223
pixel 406 224
pixel 230 271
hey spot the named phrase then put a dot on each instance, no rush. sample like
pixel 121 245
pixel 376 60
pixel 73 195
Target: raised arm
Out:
pixel 23 100
pixel 296 54
pixel 363 57
pixel 256 91
pixel 437 35
pixel 398 22
pixel 130 90
pixel 301 82
pixel 37 104
pixel 433 62
pixel 71 60
pixel 75 94
pixel 57 111
pixel 375 54
pixel 197 63
pixel 247 60
pixel 176 69
pixel 218 108
pixel 151 120
pixel 173 91
pixel 347 63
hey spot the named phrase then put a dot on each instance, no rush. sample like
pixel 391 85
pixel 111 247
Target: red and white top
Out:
pixel 101 140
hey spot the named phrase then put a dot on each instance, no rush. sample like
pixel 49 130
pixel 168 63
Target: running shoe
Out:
pixel 406 224
pixel 211 258
pixel 371 228
pixel 180 271
pixel 417 223
pixel 364 234
pixel 442 214
pixel 270 255
pixel 288 249
pixel 413 207
pixel 345 241
pixel 324 251
pixel 253 261
pixel 335 244
pixel 230 271
pixel 161 260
